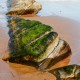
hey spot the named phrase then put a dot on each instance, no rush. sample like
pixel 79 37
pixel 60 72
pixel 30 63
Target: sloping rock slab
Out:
pixel 70 72
pixel 34 41
pixel 20 7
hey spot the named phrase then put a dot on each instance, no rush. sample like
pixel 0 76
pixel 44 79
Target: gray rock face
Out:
pixel 70 72
pixel 24 7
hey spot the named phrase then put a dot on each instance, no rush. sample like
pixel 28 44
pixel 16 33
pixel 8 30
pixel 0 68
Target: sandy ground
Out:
pixel 67 29
pixel 4 39
pixel 6 73
pixel 29 72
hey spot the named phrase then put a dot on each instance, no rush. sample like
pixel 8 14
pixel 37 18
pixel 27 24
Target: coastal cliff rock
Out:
pixel 70 72
pixel 31 40
pixel 20 7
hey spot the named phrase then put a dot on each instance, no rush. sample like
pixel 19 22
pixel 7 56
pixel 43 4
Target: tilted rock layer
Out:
pixel 70 72
pixel 24 7
pixel 33 41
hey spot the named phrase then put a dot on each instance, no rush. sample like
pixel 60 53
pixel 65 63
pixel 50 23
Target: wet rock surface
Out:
pixel 70 72
pixel 24 7
pixel 38 43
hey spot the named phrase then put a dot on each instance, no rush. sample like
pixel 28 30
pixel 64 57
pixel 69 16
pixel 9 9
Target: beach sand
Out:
pixel 67 29
pixel 7 73
pixel 4 39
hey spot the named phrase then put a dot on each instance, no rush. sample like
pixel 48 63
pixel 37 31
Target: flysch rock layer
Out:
pixel 34 41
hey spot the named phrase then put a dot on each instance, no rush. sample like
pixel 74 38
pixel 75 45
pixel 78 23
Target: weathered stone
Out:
pixel 70 72
pixel 33 41
pixel 24 7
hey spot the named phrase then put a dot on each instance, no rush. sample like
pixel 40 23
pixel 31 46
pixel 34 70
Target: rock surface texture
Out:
pixel 20 7
pixel 33 41
pixel 70 72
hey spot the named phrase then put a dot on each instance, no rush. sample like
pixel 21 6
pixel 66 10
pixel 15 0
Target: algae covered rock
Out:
pixel 33 41
pixel 70 72
pixel 24 7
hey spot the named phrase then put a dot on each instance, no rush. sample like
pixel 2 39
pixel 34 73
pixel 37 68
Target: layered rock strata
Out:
pixel 31 40
pixel 70 72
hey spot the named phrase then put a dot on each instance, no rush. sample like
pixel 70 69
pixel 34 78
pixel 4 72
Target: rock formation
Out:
pixel 31 40
pixel 70 72
pixel 20 7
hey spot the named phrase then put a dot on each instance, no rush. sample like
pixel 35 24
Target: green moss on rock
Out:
pixel 39 47
pixel 78 75
pixel 69 69
pixel 34 32
pixel 30 37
